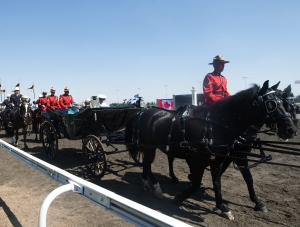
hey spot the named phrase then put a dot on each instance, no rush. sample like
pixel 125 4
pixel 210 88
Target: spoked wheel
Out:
pixel 137 156
pixel 49 139
pixel 94 156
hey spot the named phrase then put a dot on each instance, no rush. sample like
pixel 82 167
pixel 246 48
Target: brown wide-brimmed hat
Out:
pixel 218 59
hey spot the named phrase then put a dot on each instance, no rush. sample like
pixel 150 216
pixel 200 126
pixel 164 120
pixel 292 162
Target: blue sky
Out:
pixel 121 48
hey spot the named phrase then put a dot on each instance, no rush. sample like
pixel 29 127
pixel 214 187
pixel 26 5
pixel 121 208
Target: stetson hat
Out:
pixel 67 89
pixel 17 89
pixel 52 89
pixel 44 92
pixel 218 59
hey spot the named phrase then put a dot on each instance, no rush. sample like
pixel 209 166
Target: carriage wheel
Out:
pixel 137 156
pixel 94 156
pixel 49 139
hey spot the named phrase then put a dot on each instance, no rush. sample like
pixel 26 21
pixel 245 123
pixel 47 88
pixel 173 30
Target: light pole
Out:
pixel 166 91
pixel 245 77
pixel 199 86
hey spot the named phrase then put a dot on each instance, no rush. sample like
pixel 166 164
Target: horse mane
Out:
pixel 235 101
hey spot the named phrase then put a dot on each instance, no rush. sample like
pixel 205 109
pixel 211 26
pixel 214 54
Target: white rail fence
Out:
pixel 130 211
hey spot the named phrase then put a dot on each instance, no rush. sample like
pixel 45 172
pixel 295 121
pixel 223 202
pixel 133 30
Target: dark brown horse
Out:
pixel 21 118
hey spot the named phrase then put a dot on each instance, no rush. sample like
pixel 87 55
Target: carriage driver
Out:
pixel 15 100
pixel 52 100
pixel 215 84
pixel 65 100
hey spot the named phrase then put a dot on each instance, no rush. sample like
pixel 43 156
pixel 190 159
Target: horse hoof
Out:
pixel 158 194
pixel 228 215
pixel 260 206
pixel 177 200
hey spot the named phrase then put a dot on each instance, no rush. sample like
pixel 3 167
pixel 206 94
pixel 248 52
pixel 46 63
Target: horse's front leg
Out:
pixel 216 173
pixel 259 205
pixel 25 136
pixel 16 137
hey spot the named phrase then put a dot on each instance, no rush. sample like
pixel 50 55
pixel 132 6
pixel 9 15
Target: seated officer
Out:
pixel 15 100
pixel 87 103
pixel 52 100
pixel 102 99
pixel 42 101
pixel 65 100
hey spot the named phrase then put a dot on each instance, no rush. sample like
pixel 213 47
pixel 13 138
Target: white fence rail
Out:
pixel 130 211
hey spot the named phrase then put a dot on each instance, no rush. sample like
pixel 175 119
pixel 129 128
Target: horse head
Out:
pixel 25 112
pixel 275 110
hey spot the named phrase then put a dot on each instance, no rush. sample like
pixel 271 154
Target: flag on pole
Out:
pixel 3 91
pixel 31 88
pixel 297 82
pixel 18 85
pixel 136 96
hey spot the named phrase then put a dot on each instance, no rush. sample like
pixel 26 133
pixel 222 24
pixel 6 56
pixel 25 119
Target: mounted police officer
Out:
pixel 15 101
pixel 6 102
pixel 215 84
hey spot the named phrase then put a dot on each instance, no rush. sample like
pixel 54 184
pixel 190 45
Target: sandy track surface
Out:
pixel 23 189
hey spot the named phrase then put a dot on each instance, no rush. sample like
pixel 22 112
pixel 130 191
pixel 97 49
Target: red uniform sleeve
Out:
pixel 48 101
pixel 208 88
pixel 61 102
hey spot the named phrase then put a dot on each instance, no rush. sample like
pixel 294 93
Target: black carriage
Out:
pixel 94 126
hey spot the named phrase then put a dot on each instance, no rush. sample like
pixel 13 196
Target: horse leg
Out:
pixel 25 136
pixel 171 169
pixel 149 155
pixel 259 205
pixel 17 137
pixel 198 163
pixel 217 169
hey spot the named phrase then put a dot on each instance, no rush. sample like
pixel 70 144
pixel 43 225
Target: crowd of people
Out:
pixel 45 101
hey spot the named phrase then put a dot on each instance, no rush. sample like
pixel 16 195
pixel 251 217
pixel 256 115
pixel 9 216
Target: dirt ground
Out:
pixel 23 189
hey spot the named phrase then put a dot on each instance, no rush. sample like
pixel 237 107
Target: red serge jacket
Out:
pixel 42 103
pixel 214 88
pixel 53 102
pixel 65 101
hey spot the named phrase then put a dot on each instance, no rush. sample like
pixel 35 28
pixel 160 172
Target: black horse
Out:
pixel 21 118
pixel 205 132
pixel 249 138
pixel 37 120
